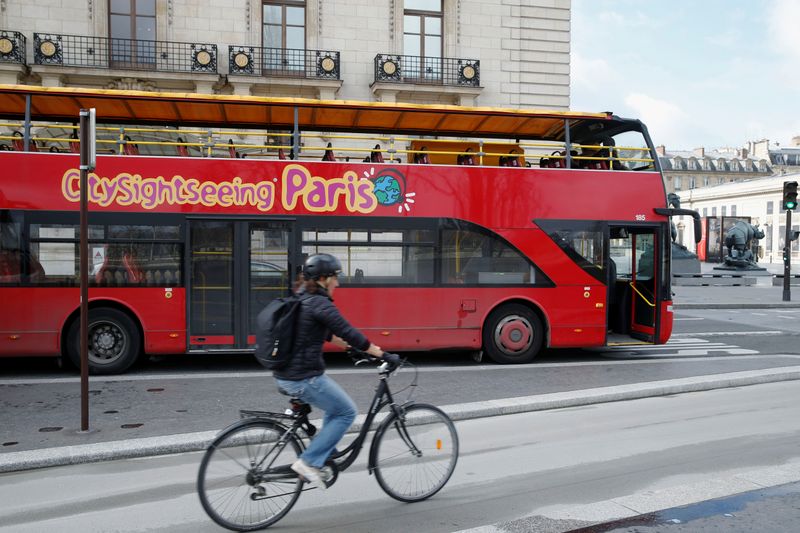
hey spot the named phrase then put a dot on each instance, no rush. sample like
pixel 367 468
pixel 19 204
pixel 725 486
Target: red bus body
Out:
pixel 507 201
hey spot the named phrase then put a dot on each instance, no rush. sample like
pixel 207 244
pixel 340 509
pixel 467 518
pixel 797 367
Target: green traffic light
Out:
pixel 789 195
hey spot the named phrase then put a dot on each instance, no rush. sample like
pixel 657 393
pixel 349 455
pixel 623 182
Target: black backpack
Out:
pixel 275 330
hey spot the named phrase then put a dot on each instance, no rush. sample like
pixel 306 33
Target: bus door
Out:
pixel 236 268
pixel 643 285
pixel 633 265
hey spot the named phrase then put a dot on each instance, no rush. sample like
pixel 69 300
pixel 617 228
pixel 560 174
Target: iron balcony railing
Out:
pixel 432 70
pixel 125 54
pixel 283 62
pixel 13 47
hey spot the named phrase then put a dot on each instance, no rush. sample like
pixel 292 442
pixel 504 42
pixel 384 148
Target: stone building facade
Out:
pixel 505 53
pixel 700 168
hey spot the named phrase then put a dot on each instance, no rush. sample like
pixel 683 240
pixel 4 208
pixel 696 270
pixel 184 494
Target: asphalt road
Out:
pixel 544 472
pixel 181 394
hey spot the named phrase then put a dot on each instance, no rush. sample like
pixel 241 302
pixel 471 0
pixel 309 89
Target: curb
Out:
pixel 192 442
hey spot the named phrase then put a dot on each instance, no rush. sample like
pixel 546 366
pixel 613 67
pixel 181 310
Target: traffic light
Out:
pixel 789 195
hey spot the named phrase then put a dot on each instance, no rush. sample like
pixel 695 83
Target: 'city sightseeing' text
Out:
pixel 298 186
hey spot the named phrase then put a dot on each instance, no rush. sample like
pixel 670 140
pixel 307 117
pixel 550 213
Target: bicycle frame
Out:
pixel 382 398
pixel 342 459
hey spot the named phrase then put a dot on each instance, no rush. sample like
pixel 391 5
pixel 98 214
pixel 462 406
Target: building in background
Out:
pixel 784 159
pixel 699 168
pixel 757 200
pixel 507 53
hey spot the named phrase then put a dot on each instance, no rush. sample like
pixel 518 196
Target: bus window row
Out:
pixel 454 253
pixel 465 255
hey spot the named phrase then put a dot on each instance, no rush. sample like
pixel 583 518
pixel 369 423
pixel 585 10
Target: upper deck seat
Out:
pixel 182 150
pixel 328 156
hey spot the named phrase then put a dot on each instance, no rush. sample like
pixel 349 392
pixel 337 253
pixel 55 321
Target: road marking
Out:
pixel 682 345
pixel 720 333
pixel 680 348
pixel 692 318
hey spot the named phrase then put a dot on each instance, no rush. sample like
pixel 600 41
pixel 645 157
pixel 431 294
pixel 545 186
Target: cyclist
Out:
pixel 304 376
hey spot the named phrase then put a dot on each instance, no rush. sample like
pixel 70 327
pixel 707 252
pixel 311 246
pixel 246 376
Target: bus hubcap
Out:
pixel 513 335
pixel 107 342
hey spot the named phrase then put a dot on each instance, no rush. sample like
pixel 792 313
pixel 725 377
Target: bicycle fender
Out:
pixel 246 421
pixel 373 450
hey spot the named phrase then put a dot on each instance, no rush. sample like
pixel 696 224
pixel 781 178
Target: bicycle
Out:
pixel 245 481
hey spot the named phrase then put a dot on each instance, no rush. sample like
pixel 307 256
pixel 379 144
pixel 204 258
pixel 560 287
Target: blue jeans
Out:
pixel 340 411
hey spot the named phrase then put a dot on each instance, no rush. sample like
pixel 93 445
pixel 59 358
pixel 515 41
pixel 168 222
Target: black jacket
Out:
pixel 318 320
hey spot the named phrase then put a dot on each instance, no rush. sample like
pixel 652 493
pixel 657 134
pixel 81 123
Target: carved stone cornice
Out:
pixel 131 84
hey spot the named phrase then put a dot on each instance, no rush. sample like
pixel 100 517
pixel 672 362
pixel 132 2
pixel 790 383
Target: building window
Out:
pixel 678 183
pixel 713 211
pixel 705 212
pixel 284 34
pixel 132 29
pixel 705 181
pixel 769 208
pixel 422 37
pixel 692 183
pixel 724 210
pixel 768 237
pixel 733 210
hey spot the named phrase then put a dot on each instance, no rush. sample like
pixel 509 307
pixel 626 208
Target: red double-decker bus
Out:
pixel 500 230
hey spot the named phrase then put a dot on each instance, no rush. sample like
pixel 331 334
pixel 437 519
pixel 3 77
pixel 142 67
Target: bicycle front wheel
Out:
pixel 245 480
pixel 413 455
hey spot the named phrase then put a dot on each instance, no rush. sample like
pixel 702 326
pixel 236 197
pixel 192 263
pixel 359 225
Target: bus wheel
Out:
pixel 513 333
pixel 113 341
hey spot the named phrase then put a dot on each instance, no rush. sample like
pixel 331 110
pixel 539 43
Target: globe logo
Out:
pixel 389 187
pixel 387 190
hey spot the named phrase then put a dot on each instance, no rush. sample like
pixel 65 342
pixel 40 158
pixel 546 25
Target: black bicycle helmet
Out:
pixel 319 265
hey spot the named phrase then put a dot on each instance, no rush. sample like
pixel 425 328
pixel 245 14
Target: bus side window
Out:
pixel 10 271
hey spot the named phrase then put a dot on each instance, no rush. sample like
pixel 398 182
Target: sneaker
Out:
pixel 310 474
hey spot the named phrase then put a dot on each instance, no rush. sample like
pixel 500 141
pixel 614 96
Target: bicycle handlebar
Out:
pixel 392 360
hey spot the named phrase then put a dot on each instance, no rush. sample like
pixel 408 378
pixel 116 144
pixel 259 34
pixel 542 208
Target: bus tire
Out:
pixel 114 341
pixel 513 334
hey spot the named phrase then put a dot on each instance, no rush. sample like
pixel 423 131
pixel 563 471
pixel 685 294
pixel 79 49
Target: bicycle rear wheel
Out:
pixel 245 481
pixel 415 454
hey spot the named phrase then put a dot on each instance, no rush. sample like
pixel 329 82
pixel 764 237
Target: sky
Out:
pixel 710 73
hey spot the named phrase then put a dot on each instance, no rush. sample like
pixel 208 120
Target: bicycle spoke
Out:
pixel 234 491
pixel 416 455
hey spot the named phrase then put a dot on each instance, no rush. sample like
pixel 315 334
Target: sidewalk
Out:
pixel 753 297
pixel 763 295
pixel 171 443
